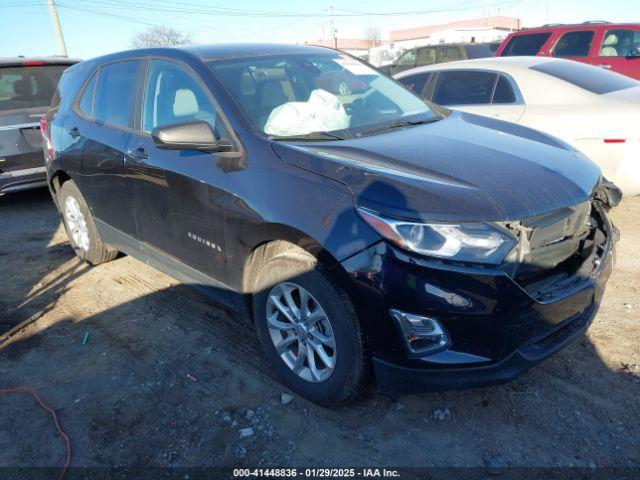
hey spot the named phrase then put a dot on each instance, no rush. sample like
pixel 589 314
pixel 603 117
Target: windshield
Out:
pixel 330 95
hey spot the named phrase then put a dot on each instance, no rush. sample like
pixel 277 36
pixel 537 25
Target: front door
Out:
pixel 179 195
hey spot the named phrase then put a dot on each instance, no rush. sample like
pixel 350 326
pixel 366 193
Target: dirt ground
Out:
pixel 167 378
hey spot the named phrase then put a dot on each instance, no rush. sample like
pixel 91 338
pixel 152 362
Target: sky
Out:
pixel 97 27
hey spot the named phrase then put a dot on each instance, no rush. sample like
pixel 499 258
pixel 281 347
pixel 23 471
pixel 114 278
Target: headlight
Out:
pixel 463 242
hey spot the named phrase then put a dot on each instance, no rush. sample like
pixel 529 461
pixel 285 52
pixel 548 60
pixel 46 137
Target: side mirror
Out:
pixel 192 135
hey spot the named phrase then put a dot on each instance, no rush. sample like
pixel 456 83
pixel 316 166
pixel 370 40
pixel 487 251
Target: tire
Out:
pixel 80 227
pixel 282 269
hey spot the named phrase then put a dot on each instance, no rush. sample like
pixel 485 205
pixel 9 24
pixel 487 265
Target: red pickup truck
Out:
pixel 614 46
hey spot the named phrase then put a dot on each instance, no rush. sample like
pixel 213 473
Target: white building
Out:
pixel 478 30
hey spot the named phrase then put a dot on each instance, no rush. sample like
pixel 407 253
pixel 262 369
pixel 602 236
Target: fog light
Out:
pixel 421 334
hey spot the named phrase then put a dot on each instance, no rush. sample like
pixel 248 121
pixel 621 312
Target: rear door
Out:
pixel 481 92
pixel 618 50
pixel 180 195
pixel 97 137
pixel 575 45
pixel 25 94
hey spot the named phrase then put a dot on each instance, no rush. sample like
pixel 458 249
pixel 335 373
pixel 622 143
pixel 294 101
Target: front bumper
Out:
pixel 396 380
pixel 497 329
pixel 16 180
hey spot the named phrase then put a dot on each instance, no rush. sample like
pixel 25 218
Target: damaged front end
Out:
pixel 560 250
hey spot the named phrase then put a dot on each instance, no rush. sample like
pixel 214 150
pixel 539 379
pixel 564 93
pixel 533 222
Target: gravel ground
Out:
pixel 167 378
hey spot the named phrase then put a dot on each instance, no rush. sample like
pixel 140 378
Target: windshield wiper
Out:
pixel 313 136
pixel 400 124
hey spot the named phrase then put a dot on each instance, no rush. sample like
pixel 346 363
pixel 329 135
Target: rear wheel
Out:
pixel 81 229
pixel 308 328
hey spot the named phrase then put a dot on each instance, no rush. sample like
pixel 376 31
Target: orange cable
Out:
pixel 55 419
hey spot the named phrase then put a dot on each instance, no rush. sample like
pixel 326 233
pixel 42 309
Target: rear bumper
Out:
pixel 25 179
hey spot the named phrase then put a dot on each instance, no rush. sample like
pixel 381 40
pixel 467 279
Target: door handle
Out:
pixel 138 154
pixel 605 66
pixel 74 132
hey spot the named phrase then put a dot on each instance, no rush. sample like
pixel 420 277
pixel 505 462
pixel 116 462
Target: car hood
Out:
pixel 462 168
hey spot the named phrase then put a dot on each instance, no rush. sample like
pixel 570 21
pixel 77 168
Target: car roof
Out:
pixel 503 64
pixel 220 51
pixel 575 26
pixel 34 61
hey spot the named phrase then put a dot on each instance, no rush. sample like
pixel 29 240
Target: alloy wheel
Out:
pixel 301 332
pixel 76 223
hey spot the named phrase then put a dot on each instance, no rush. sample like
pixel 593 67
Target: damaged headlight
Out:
pixel 463 242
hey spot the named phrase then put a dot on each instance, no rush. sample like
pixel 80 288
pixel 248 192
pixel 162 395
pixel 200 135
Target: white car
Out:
pixel 592 109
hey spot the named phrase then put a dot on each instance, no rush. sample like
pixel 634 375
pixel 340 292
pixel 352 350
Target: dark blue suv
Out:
pixel 368 234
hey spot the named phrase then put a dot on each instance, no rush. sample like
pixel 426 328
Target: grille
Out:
pixel 559 249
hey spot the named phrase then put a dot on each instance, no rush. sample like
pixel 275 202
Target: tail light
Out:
pixel 614 140
pixel 46 137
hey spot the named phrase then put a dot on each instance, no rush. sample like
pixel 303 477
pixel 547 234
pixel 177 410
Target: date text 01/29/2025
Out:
pixel 316 472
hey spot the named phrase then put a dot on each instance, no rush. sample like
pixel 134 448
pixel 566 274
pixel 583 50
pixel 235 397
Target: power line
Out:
pixel 227 12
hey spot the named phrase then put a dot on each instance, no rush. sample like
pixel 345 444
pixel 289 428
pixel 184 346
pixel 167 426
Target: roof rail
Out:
pixel 588 22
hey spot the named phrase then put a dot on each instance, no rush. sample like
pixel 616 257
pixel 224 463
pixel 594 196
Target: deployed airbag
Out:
pixel 323 112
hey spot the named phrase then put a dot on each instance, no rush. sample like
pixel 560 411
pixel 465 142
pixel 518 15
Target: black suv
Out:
pixel 26 88
pixel 367 233
pixel 432 54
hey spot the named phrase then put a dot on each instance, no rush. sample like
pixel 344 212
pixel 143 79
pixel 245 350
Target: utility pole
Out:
pixel 334 32
pixel 56 24
pixel 546 12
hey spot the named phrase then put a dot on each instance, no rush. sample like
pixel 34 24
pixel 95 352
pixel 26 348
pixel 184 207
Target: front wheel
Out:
pixel 309 330
pixel 81 229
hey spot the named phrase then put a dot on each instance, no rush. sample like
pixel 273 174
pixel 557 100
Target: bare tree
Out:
pixel 373 35
pixel 160 36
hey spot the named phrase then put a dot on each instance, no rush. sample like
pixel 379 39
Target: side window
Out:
pixel 620 43
pixel 529 44
pixel 426 56
pixel 416 83
pixel 574 44
pixel 85 105
pixel 407 59
pixel 464 88
pixel 504 92
pixel 448 54
pixel 115 89
pixel 172 95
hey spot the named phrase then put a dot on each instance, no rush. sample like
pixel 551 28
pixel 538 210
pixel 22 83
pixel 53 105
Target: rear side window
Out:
pixel 593 79
pixel 416 83
pixel 525 44
pixel 620 43
pixel 504 92
pixel 114 93
pixel 24 88
pixel 85 105
pixel 574 44
pixel 480 50
pixel 464 88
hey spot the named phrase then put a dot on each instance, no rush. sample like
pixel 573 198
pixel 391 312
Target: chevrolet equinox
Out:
pixel 369 235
